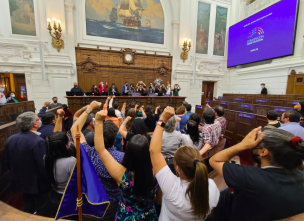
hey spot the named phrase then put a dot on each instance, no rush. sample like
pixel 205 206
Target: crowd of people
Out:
pixel 150 163
pixel 153 88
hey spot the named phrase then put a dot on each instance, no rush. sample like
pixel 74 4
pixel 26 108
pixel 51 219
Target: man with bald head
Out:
pixel 76 89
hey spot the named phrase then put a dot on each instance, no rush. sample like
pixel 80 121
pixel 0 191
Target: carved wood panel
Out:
pixel 96 65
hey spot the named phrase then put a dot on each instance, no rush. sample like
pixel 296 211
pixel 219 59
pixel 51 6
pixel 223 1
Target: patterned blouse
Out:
pixel 132 209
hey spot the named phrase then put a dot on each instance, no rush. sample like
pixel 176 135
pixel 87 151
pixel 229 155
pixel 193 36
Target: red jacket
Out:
pixel 104 88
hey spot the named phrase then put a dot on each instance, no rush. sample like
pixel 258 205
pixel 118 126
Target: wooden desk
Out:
pixel 14 108
pixel 77 102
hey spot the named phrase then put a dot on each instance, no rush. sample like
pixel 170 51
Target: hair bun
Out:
pixel 295 140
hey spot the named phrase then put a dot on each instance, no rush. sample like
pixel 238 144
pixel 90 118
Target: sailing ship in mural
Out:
pixel 113 15
pixel 130 12
pixel 133 20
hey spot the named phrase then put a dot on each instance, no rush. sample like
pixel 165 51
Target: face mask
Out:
pixel 262 87
pixel 55 101
pixel 296 108
pixel 1 90
pixel 13 95
pixel 75 86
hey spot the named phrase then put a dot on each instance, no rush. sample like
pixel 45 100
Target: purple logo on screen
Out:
pixel 256 31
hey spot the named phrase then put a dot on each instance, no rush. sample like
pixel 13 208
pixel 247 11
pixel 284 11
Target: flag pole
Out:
pixel 79 199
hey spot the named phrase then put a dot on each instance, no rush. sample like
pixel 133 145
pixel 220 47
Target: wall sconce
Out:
pixel 57 42
pixel 186 49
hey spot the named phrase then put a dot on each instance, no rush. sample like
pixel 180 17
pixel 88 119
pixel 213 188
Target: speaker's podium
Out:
pixel 76 102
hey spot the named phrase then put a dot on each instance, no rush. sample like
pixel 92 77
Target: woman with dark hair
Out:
pixel 11 97
pixel 138 127
pixel 300 108
pixel 277 185
pixel 191 195
pixel 134 177
pixel 95 90
pixel 59 165
pixel 151 119
pixel 132 88
pixel 67 117
pixel 193 137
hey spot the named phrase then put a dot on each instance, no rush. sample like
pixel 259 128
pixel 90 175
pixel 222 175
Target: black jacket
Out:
pixel 111 90
pixel 24 154
pixel 264 91
pixel 76 90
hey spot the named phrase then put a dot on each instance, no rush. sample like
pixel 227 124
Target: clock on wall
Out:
pixel 128 56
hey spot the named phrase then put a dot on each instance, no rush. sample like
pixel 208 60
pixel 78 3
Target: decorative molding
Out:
pixel 175 24
pixel 8 51
pixel 7 69
pixel 257 6
pixel 163 70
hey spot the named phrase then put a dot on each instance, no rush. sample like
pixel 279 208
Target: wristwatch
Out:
pixel 161 123
pixel 88 111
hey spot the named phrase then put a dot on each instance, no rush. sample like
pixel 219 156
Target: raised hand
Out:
pixel 250 141
pixel 124 105
pixel 167 114
pixel 120 120
pixel 109 98
pixel 113 97
pixel 94 105
pixel 46 104
pixel 128 119
pixel 157 107
pixel 60 112
pixel 101 116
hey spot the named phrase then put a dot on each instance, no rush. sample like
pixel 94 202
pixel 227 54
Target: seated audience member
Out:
pixel 181 113
pixel 271 189
pixel 188 108
pixel 196 118
pixel 219 117
pixel 3 98
pixel 141 89
pixel 11 97
pixel 59 165
pixel 113 89
pixel 24 154
pixel 151 89
pixel 191 195
pixel 300 107
pixel 151 119
pixel 138 127
pixel 172 139
pixel 108 133
pixel 193 137
pixel 272 117
pixel 211 131
pixel 134 175
pixel 67 116
pixel 184 103
pixel 48 123
pixel 291 123
pixel 103 87
pixel 54 104
pixel 76 89
pixel 95 90
pixel 115 106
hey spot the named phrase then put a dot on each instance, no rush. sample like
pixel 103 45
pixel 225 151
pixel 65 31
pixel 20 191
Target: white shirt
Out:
pixel 117 112
pixel 188 142
pixel 175 205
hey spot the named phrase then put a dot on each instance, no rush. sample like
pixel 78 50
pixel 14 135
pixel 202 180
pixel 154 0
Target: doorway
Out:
pixel 207 91
pixel 15 83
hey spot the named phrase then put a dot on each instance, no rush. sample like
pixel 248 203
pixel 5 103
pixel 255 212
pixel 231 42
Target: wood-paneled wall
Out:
pixel 96 65
pixel 14 108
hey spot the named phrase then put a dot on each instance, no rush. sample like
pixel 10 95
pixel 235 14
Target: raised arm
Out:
pixel 123 129
pixel 105 106
pixel 43 109
pixel 115 169
pixel 111 102
pixel 58 124
pixel 158 160
pixel 156 109
pixel 82 119
pixel 141 109
pixel 79 112
pixel 249 142
pixel 136 106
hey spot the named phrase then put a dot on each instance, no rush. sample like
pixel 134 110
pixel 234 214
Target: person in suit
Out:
pixel 24 154
pixel 76 89
pixel 264 89
pixel 125 88
pixel 113 89
pixel 103 87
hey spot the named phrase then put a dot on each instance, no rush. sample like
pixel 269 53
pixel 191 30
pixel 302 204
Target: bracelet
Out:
pixel 82 109
pixel 124 123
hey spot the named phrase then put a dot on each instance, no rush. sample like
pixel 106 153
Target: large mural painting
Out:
pixel 22 17
pixel 220 31
pixel 203 21
pixel 134 20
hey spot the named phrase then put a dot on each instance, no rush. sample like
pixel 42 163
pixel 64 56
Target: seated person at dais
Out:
pixel 95 90
pixel 11 97
pixel 113 89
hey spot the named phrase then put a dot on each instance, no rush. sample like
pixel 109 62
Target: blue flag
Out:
pixel 94 197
